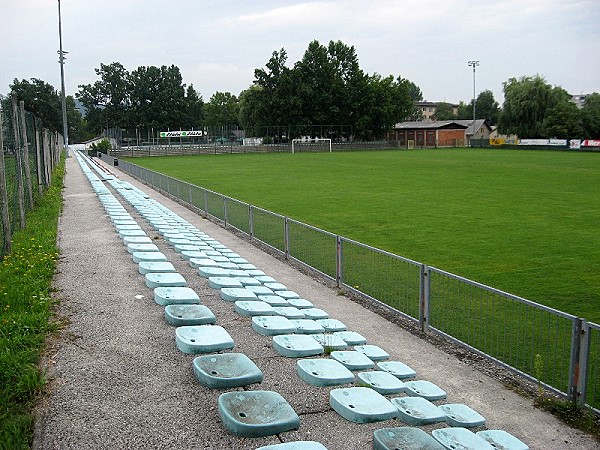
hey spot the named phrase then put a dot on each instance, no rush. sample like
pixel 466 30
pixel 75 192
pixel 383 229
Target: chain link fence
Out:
pixel 29 153
pixel 548 347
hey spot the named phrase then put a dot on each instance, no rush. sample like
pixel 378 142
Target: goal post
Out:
pixel 312 144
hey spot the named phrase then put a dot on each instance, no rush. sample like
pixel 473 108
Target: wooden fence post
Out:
pixel 4 197
pixel 38 159
pixel 20 188
pixel 26 153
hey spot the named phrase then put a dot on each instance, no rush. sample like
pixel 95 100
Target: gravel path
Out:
pixel 118 381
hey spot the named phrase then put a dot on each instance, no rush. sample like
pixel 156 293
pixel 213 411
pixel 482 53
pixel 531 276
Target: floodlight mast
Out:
pixel 63 99
pixel 473 64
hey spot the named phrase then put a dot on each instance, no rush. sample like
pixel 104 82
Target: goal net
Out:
pixel 311 145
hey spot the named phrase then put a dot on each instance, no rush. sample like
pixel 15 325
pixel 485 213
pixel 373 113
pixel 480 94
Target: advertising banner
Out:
pixel 180 133
pixel 591 143
pixel 553 142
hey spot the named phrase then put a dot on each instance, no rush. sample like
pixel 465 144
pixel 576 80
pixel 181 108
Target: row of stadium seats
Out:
pixel 327 353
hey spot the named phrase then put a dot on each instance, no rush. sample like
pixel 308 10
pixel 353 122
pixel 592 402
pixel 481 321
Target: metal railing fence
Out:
pixel 554 349
pixel 28 155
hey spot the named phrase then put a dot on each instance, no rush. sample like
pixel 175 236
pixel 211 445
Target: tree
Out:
pixel 444 111
pixel 563 121
pixel 41 99
pixel 590 116
pixel 222 109
pixel 107 100
pixel 486 107
pixel 527 102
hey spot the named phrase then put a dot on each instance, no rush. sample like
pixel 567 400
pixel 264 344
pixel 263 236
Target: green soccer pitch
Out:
pixel 527 222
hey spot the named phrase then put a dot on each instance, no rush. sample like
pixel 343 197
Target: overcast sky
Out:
pixel 217 44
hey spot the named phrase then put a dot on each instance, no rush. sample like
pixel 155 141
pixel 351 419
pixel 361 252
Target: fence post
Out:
pixel 26 153
pixel 6 248
pixel 205 203
pixel 584 358
pixel 424 292
pixel 18 150
pixel 338 261
pixel 286 237
pixel 575 363
pixel 225 211
pixel 251 220
pixel 38 158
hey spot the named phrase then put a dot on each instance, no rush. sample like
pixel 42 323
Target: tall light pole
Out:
pixel 473 64
pixel 61 61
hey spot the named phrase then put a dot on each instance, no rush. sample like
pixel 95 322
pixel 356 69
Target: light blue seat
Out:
pixel 331 325
pixel 186 247
pixel 142 248
pixel 202 339
pixel 226 370
pixel 236 294
pixel 248 281
pixel 418 411
pixel 175 296
pixel 397 368
pixel 127 233
pixel 198 253
pixel 275 286
pixel 272 325
pixel 137 240
pixel 158 267
pixel 383 382
pixel 307 326
pixel 361 405
pixel 330 342
pixel 138 257
pixel 500 439
pixel 405 438
pixel 273 300
pixel 425 389
pixel 196 263
pixel 315 314
pixel 351 337
pixel 373 352
pixel 460 438
pixel 265 279
pixel 253 308
pixel 256 413
pixel 207 272
pixel 180 315
pixel 227 265
pixel 353 360
pixel 223 282
pixel 459 415
pixel 288 294
pixel 154 280
pixel 323 372
pixel 289 311
pixel 300 303
pixel 261 290
pixel 296 345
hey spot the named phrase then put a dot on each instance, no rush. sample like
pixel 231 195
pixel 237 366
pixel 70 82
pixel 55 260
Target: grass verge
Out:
pixel 25 309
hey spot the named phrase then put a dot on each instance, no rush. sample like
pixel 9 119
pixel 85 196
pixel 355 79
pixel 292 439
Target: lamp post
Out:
pixel 61 61
pixel 473 64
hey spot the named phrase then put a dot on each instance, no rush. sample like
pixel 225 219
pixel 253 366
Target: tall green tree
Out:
pixel 444 111
pixel 563 121
pixel 590 116
pixel 41 99
pixel 527 102
pixel 107 100
pixel 486 107
pixel 222 109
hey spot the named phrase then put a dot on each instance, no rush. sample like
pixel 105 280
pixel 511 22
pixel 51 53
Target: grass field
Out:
pixel 526 222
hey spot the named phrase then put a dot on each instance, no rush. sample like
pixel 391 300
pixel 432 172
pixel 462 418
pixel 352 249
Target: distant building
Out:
pixel 441 133
pixel 427 110
pixel 579 100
